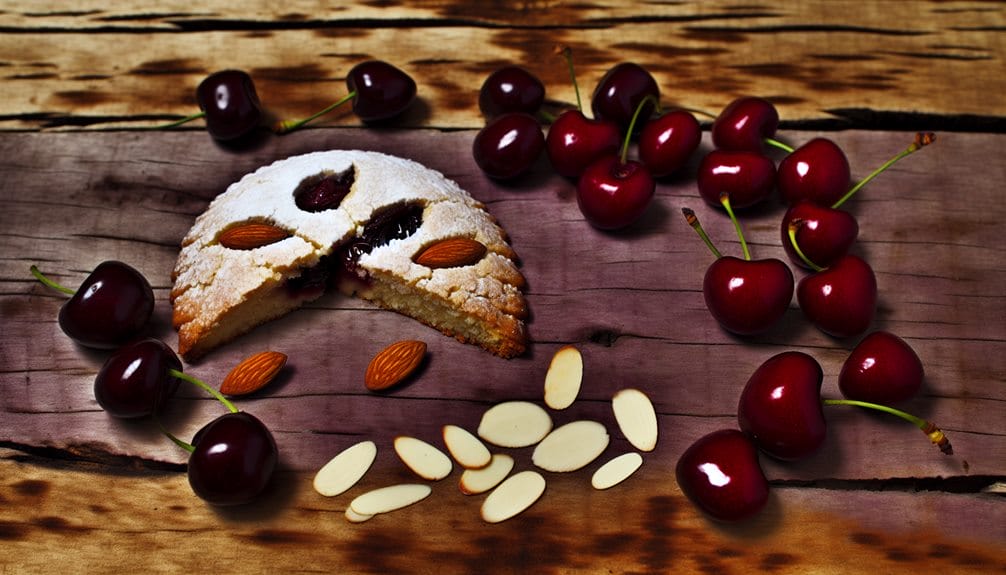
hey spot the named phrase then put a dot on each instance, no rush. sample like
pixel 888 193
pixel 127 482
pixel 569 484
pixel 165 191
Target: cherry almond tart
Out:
pixel 379 227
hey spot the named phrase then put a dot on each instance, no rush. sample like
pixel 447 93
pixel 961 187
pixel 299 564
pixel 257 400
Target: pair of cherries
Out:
pixel 233 457
pixel 229 103
pixel 780 413
pixel 612 191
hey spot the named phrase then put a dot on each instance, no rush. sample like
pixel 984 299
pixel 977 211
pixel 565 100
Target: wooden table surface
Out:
pixel 82 492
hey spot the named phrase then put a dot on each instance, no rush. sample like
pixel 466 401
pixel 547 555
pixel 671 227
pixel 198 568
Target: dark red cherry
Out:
pixel 508 145
pixel 747 297
pixel 233 460
pixel 823 234
pixel 231 104
pixel 720 473
pixel 612 194
pixel 622 89
pixel 840 300
pixel 135 381
pixel 817 171
pixel 575 141
pixel 883 369
pixel 744 124
pixel 511 89
pixel 666 143
pixel 326 193
pixel 382 90
pixel 747 177
pixel 110 308
pixel 780 406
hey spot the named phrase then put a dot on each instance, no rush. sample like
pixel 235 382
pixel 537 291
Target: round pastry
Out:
pixel 357 221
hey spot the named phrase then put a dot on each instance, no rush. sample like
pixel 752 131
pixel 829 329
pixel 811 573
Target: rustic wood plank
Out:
pixel 101 521
pixel 132 65
pixel 631 301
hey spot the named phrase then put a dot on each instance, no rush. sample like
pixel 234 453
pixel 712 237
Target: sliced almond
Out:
pixel 422 458
pixel 465 448
pixel 253 373
pixel 562 381
pixel 514 424
pixel 636 418
pixel 451 253
pixel 251 235
pixel 475 481
pixel 393 364
pixel 571 446
pixel 345 469
pixel 616 470
pixel 513 496
pixel 354 517
pixel 387 499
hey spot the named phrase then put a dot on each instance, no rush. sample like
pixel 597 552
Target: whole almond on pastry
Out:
pixel 451 253
pixel 253 373
pixel 249 236
pixel 393 364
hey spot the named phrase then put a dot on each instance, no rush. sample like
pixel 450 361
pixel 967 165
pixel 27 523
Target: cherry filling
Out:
pixel 390 223
pixel 324 192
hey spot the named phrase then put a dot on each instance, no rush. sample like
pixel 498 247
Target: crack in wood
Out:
pixel 87 456
pixel 959 484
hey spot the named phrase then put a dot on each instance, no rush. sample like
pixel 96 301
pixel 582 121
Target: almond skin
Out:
pixel 451 253
pixel 253 373
pixel 249 236
pixel 393 364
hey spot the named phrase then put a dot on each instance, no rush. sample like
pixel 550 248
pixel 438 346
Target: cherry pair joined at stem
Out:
pixel 780 413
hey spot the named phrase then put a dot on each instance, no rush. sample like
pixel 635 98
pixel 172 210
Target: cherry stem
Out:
pixel 781 145
pixel 547 116
pixel 206 388
pixel 48 282
pixel 567 53
pixel 184 120
pixel 922 139
pixel 183 444
pixel 725 200
pixel 287 126
pixel 793 227
pixel 935 434
pixel 697 112
pixel 693 221
pixel 649 99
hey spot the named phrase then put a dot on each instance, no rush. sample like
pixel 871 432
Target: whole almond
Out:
pixel 253 373
pixel 251 235
pixel 393 364
pixel 451 253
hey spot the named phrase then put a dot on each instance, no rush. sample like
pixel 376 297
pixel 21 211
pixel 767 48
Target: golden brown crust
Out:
pixel 220 293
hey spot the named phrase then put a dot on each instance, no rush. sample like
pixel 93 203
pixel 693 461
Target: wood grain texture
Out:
pixel 631 302
pixel 837 62
pixel 51 518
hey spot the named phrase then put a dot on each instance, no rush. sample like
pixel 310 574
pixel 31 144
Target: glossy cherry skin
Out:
pixel 135 380
pixel 111 307
pixel 620 92
pixel 666 143
pixel 508 145
pixel 842 299
pixel 231 104
pixel 234 459
pixel 817 171
pixel 824 234
pixel 780 406
pixel 575 141
pixel 747 177
pixel 744 124
pixel 382 90
pixel 720 473
pixel 612 194
pixel 511 89
pixel 747 297
pixel 882 369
